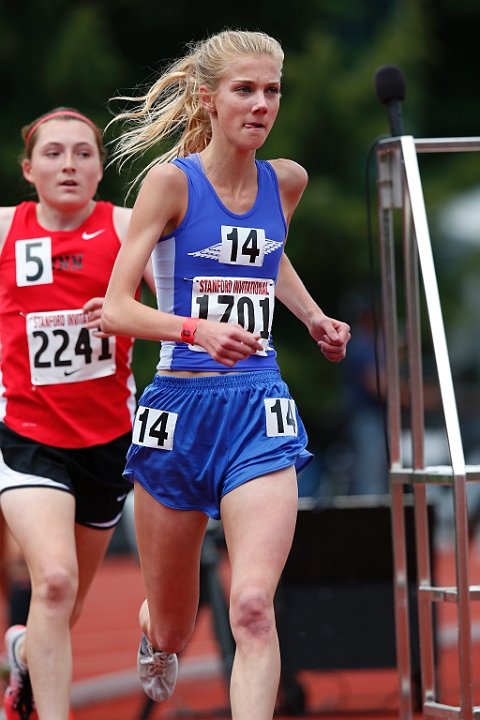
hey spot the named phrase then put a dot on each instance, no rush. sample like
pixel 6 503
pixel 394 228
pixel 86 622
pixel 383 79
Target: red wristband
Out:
pixel 188 330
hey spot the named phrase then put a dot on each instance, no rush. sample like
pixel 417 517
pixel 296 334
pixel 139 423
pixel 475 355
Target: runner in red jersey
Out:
pixel 67 402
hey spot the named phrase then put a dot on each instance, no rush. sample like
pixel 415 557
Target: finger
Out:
pixel 333 338
pixel 335 349
pixel 252 342
pixel 331 334
pixel 93 323
pixel 95 303
pixel 332 353
pixel 242 340
pixel 239 351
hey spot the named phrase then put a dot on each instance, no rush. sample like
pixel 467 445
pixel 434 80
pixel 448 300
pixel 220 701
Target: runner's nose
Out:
pixel 260 103
pixel 69 162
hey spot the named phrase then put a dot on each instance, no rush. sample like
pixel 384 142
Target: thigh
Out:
pixel 259 521
pixel 169 545
pixel 41 520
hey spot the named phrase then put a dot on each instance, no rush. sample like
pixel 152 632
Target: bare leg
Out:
pixel 169 546
pixel 17 580
pixel 259 520
pixel 91 545
pixel 42 522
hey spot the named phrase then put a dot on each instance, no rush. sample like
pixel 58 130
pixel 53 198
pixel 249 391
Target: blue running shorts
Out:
pixel 196 439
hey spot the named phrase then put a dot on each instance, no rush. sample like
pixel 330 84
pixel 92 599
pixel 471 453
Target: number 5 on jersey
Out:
pixel 33 260
pixel 154 428
pixel 280 416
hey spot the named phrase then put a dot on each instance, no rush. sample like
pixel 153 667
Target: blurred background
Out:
pixel 80 54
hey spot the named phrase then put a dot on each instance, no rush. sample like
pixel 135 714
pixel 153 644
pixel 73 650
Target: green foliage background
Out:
pixel 54 52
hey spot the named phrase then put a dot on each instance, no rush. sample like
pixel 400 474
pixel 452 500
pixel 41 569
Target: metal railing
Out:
pixel 399 186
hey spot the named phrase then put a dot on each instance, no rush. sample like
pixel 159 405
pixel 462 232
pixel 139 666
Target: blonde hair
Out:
pixel 170 111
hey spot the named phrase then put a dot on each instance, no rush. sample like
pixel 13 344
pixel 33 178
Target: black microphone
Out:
pixel 390 90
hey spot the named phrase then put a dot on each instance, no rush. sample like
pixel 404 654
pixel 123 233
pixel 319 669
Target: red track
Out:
pixel 106 638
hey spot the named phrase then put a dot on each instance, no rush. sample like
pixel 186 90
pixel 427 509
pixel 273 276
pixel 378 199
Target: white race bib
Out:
pixel 246 301
pixel 242 246
pixel 280 417
pixel 33 261
pixel 154 428
pixel 63 350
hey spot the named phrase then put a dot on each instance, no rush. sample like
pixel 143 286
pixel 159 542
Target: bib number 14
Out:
pixel 281 418
pixel 242 246
pixel 154 428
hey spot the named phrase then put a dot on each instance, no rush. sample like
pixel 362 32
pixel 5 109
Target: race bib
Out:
pixel 281 418
pixel 154 428
pixel 33 261
pixel 242 246
pixel 62 350
pixel 246 301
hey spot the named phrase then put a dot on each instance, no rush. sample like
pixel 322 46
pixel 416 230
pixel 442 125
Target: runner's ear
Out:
pixel 27 170
pixel 206 98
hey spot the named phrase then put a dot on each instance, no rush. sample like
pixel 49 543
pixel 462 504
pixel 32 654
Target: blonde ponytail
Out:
pixel 170 113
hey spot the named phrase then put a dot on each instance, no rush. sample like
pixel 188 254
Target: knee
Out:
pixel 55 588
pixel 252 617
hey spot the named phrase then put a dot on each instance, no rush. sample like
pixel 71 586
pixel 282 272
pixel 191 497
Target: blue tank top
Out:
pixel 222 267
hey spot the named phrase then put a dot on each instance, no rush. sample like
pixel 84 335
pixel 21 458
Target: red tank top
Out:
pixel 62 386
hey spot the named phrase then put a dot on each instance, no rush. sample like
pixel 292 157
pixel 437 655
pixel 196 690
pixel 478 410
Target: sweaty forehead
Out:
pixel 252 67
pixel 65 129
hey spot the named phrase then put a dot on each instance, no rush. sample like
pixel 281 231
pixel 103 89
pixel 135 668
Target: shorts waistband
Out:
pixel 228 380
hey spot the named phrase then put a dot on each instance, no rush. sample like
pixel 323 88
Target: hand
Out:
pixel 93 308
pixel 331 335
pixel 226 343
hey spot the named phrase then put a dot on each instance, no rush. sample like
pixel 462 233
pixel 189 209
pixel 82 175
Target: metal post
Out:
pixel 425 619
pixel 388 173
pixel 420 224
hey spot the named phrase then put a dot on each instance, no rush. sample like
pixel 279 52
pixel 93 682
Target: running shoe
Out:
pixel 18 703
pixel 157 671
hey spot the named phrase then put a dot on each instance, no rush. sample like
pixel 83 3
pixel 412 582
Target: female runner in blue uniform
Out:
pixel 217 433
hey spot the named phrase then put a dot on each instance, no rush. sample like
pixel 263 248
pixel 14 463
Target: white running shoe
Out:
pixel 157 671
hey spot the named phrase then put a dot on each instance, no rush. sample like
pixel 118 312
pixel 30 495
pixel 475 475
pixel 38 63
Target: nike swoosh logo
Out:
pixel 71 372
pixel 89 236
pixel 121 497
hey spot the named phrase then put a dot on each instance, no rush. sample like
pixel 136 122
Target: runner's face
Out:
pixel 65 165
pixel 245 106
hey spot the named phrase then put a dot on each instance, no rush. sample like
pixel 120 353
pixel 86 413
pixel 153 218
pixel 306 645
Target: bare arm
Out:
pixel 6 218
pixel 292 181
pixel 121 221
pixel 331 335
pixel 122 314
